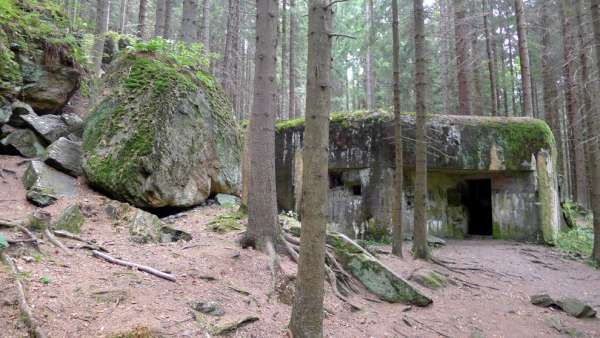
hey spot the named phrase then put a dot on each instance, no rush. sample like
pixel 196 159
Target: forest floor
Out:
pixel 82 296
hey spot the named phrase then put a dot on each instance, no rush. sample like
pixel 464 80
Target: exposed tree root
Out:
pixel 89 244
pixel 56 242
pixel 33 238
pixel 27 314
pixel 140 267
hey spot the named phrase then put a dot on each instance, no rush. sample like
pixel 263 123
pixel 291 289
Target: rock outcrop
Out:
pixel 162 135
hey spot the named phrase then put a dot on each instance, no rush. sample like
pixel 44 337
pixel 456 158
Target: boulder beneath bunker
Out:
pixel 167 143
pixel 373 274
pixel 45 184
pixel 65 155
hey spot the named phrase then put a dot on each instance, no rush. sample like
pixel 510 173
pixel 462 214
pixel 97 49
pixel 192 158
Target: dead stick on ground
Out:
pixel 140 267
pixel 56 242
pixel 34 330
pixel 36 242
pixel 69 235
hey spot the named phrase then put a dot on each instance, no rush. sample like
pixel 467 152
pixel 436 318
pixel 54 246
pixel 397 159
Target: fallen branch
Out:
pixel 140 267
pixel 56 242
pixel 90 244
pixel 34 329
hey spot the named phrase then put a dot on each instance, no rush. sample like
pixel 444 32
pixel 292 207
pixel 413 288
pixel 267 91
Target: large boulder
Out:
pixel 25 142
pixel 162 135
pixel 65 155
pixel 50 127
pixel 45 184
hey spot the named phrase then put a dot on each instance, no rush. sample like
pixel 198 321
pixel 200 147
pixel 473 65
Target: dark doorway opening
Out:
pixel 479 204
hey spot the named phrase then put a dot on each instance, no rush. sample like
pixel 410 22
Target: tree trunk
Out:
pixel 462 58
pixel 477 108
pixel 511 68
pixel 142 19
pixel 283 93
pixel 307 312
pixel 188 21
pixel 421 250
pixel 102 14
pixel 168 18
pixel 577 155
pixel 123 17
pixel 159 25
pixel 491 59
pixel 370 84
pixel 524 57
pixel 263 227
pixel 445 38
pixel 231 43
pixel 397 236
pixel 204 35
pixel 292 62
pixel 549 85
pixel 594 127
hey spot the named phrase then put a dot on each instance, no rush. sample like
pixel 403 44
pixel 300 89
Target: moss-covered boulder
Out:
pixel 70 219
pixel 39 62
pixel 163 135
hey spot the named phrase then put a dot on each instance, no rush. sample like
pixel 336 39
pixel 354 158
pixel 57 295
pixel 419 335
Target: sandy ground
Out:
pixel 86 297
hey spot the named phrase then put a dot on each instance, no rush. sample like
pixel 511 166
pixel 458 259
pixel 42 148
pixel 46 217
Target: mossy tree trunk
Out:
pixel 397 237
pixel 594 126
pixel 263 227
pixel 420 248
pixel 307 312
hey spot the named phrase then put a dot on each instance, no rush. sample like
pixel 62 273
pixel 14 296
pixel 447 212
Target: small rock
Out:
pixel 543 300
pixel 71 219
pixel 209 308
pixel 45 184
pixel 576 308
pixel 51 127
pixel 25 142
pixel 429 279
pixel 5 110
pixel 19 109
pixel 41 197
pixel 39 220
pixel 227 200
pixel 232 325
pixel 65 155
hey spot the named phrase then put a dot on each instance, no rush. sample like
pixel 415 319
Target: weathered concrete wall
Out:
pixel 460 149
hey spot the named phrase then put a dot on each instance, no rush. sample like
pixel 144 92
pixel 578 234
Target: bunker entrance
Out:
pixel 479 205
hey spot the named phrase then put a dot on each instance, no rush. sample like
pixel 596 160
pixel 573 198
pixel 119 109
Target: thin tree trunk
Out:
pixel 462 58
pixel 421 250
pixel 123 17
pixel 490 59
pixel 594 126
pixel 188 21
pixel 159 24
pixel 231 39
pixel 292 62
pixel 586 107
pixel 283 92
pixel 524 57
pixel 168 19
pixel 511 68
pixel 370 84
pixel 141 33
pixel 307 312
pixel 263 227
pixel 477 108
pixel 445 54
pixel 102 14
pixel 397 236
pixel 205 26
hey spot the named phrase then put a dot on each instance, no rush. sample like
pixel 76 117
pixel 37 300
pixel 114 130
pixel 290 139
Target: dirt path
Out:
pixel 86 297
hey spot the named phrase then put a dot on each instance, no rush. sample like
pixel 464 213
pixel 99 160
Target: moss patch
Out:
pixel 227 222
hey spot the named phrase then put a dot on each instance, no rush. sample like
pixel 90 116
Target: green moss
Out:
pixel 518 139
pixel 227 222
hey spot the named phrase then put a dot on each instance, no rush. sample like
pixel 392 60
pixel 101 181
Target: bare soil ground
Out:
pixel 87 297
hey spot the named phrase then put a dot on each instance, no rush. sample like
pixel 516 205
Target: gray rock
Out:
pixel 227 200
pixel 45 184
pixel 145 227
pixel 75 124
pixel 209 308
pixel 65 155
pixel 429 278
pixel 6 129
pixel 25 142
pixel 51 127
pixel 5 111
pixel 543 300
pixel 576 308
pixel 39 220
pixel 169 150
pixel 19 109
pixel 70 219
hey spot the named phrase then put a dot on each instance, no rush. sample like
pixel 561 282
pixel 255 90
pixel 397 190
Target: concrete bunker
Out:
pixel 487 176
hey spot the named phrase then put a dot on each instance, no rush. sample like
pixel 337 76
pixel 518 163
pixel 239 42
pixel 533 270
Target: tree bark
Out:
pixel 204 35
pixel 142 19
pixel 159 23
pixel 491 59
pixel 462 58
pixel 102 14
pixel 189 24
pixel 397 236
pixel 524 57
pixel 168 18
pixel 263 226
pixel 231 48
pixel 307 312
pixel 475 61
pixel 370 85
pixel 283 92
pixel 292 62
pixel 123 17
pixel 421 250
pixel 445 37
pixel 594 126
